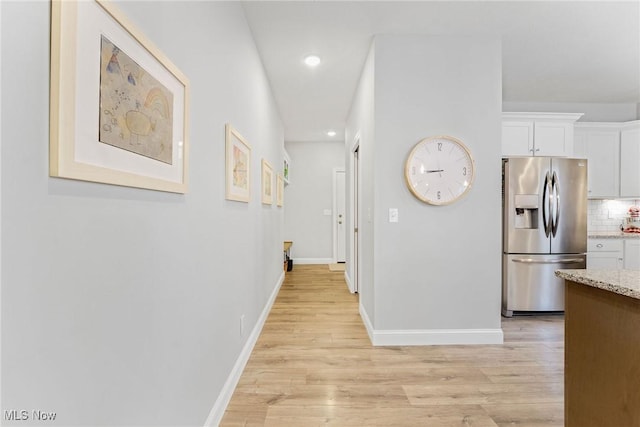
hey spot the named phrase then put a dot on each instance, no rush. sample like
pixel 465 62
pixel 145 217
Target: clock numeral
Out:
pixel 464 171
pixel 439 146
pixel 438 195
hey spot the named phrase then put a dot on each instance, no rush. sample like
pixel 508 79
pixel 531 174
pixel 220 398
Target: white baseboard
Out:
pixel 367 322
pixel 409 337
pixel 312 261
pixel 348 280
pixel 217 412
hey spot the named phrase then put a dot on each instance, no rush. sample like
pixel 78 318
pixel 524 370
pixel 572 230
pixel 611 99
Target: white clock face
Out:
pixel 439 170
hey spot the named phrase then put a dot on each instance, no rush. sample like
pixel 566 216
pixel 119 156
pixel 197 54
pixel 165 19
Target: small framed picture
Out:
pixel 238 166
pixel 267 182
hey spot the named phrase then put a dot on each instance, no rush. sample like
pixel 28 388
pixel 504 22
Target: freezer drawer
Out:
pixel 529 282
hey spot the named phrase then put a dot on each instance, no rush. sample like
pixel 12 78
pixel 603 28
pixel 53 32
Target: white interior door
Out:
pixel 339 219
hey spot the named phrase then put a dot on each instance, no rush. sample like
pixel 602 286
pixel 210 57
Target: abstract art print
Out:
pixel 118 105
pixel 237 166
pixel 136 110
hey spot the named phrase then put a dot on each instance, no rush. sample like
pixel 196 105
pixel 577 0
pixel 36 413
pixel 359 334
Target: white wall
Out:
pixel 121 306
pixel 308 195
pixel 437 271
pixel 592 112
pixel 361 127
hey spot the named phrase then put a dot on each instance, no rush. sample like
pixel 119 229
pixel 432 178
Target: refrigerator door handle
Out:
pixel 548 261
pixel 546 205
pixel 555 199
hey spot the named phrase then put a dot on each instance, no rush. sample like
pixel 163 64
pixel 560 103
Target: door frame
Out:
pixel 1 203
pixel 336 171
pixel 354 213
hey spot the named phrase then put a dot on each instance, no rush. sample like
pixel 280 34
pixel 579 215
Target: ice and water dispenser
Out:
pixel 526 206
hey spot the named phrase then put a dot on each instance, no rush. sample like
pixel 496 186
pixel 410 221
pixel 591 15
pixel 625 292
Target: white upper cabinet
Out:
pixel 630 160
pixel 517 138
pixel 599 143
pixel 553 138
pixel 538 134
pixel 613 152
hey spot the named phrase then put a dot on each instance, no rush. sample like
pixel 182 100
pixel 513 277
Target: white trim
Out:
pixel 356 142
pixel 334 227
pixel 634 124
pixel 352 263
pixel 334 218
pixel 598 125
pixel 549 117
pixel 312 261
pixel 437 337
pixel 217 412
pixel 409 337
pixel 347 279
pixel 367 322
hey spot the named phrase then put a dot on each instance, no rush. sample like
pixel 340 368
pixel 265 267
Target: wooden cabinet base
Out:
pixel 602 358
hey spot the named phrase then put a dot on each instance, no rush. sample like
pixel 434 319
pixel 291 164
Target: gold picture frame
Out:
pixel 122 120
pixel 267 183
pixel 237 166
pixel 279 190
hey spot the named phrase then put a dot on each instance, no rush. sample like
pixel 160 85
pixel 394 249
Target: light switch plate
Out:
pixel 393 215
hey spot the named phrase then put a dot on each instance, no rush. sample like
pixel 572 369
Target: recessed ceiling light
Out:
pixel 312 61
pixel 331 133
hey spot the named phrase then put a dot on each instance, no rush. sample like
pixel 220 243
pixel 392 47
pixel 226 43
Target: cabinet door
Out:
pixel 603 154
pixel 517 138
pixel 579 144
pixel 630 163
pixel 632 254
pixel 553 139
pixel 604 260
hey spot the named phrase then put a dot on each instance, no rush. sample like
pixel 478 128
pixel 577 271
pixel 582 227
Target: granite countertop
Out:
pixel 623 282
pixel 612 235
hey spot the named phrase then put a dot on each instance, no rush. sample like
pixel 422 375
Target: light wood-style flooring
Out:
pixel 314 365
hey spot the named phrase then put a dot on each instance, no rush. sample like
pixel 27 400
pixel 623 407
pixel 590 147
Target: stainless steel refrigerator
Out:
pixel 544 229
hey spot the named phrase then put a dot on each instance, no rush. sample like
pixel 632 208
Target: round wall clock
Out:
pixel 439 170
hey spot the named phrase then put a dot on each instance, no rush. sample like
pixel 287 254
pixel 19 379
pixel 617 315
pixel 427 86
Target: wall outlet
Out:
pixel 242 325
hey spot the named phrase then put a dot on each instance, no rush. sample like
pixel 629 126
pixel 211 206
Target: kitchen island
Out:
pixel 602 347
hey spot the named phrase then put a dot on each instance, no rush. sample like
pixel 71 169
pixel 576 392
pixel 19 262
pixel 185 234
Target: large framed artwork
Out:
pixel 238 166
pixel 279 190
pixel 267 183
pixel 118 106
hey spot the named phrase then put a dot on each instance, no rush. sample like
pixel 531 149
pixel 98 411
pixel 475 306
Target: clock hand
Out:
pixel 434 170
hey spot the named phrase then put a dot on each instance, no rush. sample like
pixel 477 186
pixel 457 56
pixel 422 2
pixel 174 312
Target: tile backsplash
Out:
pixel 607 215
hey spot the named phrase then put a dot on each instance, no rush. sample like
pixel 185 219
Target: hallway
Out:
pixel 313 365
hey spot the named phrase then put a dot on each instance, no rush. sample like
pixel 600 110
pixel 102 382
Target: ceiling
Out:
pixel 553 51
